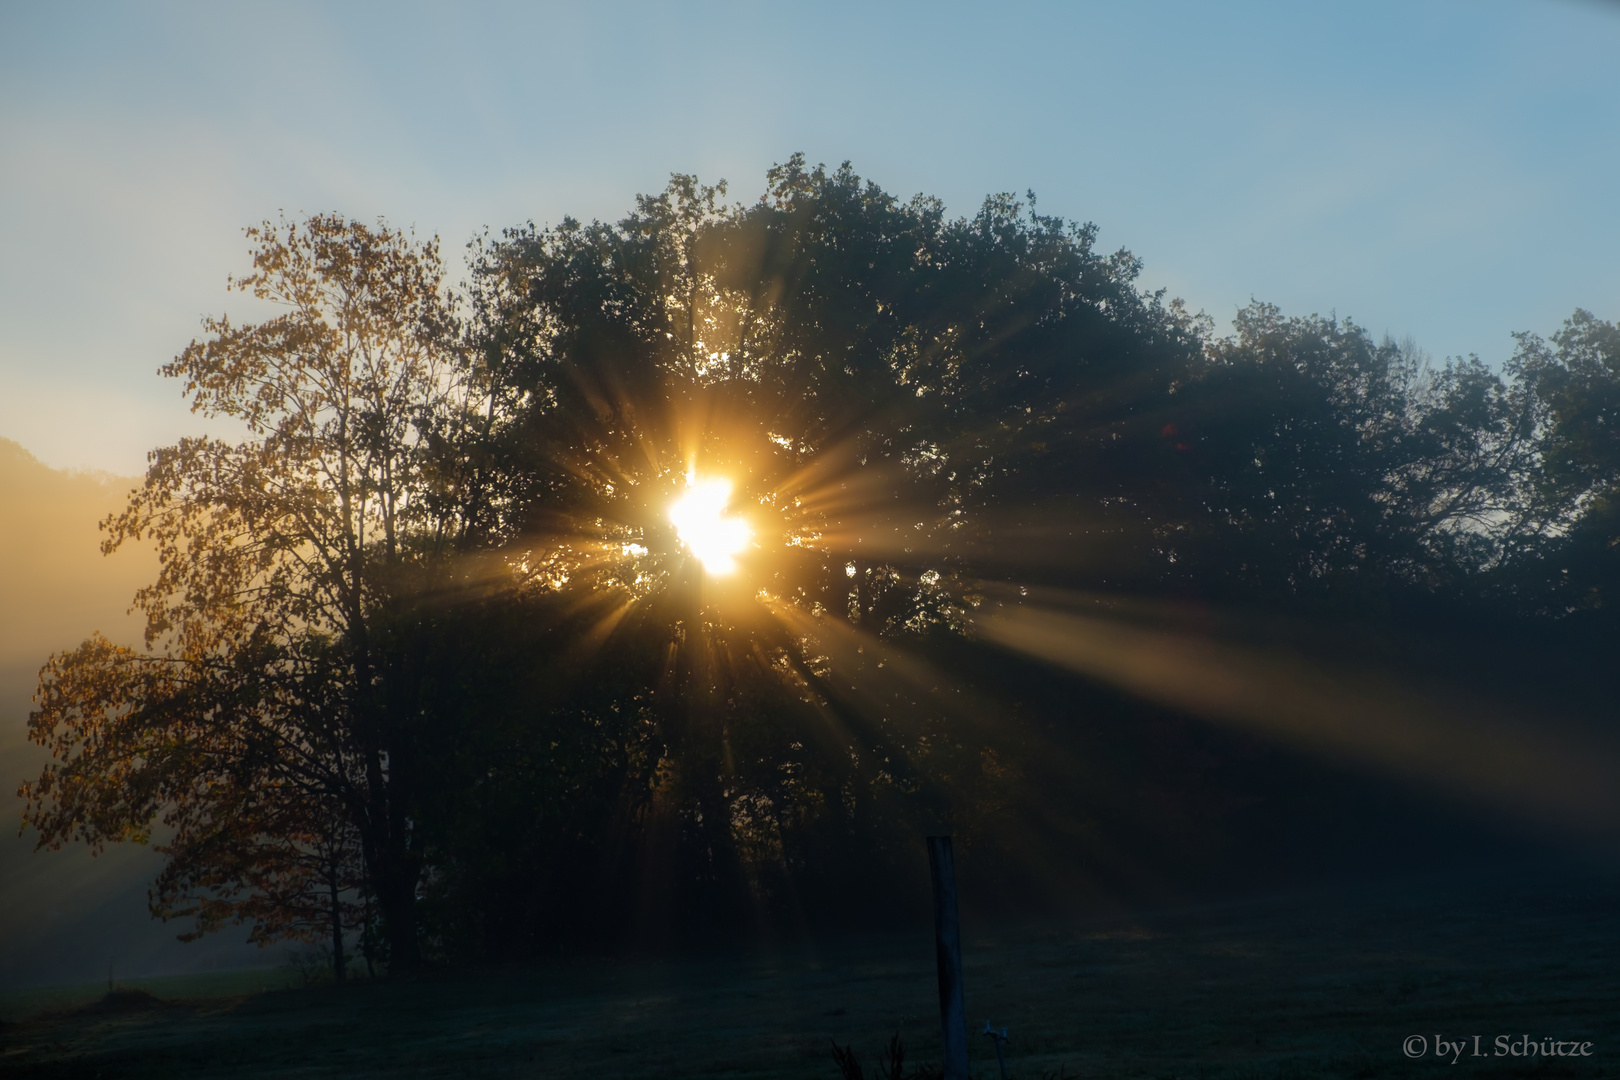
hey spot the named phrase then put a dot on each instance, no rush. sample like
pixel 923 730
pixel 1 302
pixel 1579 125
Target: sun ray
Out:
pixel 1467 744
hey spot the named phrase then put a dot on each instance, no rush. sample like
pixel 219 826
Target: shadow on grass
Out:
pixel 1323 985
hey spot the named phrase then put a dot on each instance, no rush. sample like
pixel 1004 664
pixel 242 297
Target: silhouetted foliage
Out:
pixel 428 638
pixel 1572 564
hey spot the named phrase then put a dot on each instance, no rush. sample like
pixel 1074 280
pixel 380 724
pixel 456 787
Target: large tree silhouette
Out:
pixel 430 633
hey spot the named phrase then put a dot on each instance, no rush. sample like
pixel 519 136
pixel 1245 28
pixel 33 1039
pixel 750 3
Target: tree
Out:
pixel 1317 465
pixel 430 633
pixel 917 410
pixel 269 721
pixel 894 394
pixel 1575 383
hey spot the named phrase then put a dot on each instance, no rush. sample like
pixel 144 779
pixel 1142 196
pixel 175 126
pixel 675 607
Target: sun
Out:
pixel 699 518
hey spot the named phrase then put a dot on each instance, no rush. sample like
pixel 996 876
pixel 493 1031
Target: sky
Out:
pixel 1439 169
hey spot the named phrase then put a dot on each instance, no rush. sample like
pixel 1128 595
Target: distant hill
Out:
pixel 68 914
pixel 55 585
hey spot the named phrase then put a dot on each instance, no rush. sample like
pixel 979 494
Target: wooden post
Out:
pixel 948 954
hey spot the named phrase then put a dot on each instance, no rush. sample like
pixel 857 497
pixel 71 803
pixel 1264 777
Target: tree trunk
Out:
pixel 365 931
pixel 396 896
pixel 337 926
pixel 386 833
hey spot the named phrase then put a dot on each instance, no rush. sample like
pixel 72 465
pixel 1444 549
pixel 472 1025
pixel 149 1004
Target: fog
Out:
pixel 71 914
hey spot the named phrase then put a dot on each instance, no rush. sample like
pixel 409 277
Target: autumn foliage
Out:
pixel 427 669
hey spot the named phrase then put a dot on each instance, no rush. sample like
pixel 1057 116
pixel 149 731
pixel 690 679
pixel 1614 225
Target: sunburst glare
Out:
pixel 700 520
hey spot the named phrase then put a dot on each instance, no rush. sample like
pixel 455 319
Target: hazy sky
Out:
pixel 1445 170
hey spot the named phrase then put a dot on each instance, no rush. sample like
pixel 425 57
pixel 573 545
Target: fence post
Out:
pixel 948 953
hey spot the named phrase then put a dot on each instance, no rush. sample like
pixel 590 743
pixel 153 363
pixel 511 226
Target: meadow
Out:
pixel 1327 983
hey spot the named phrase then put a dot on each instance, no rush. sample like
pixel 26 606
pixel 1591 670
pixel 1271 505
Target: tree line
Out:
pixel 427 673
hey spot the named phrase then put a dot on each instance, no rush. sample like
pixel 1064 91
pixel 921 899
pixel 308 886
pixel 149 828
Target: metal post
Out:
pixel 1000 1037
pixel 948 953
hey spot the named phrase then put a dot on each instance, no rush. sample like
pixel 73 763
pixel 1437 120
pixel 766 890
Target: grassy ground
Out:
pixel 56 1000
pixel 1306 986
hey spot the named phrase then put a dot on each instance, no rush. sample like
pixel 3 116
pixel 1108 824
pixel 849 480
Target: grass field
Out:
pixel 1311 985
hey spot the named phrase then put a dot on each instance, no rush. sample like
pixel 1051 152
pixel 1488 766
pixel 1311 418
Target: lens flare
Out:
pixel 700 521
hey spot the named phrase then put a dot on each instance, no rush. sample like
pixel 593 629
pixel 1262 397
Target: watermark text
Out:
pixel 1453 1049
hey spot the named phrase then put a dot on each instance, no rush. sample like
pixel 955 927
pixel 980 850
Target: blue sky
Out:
pixel 1444 170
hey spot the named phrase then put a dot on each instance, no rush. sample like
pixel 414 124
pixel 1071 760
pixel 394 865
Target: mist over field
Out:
pixel 70 914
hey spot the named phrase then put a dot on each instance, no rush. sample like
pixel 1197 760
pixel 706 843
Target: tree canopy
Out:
pixel 427 661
